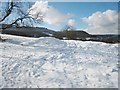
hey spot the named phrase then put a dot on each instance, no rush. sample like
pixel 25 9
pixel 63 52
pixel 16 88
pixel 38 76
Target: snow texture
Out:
pixel 47 62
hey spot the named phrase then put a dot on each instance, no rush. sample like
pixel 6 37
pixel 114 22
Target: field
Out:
pixel 53 63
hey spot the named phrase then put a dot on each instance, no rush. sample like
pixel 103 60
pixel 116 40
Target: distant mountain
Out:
pixel 72 34
pixel 66 34
pixel 42 32
pixel 108 38
pixel 29 31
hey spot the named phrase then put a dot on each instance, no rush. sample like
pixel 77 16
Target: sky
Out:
pixel 66 0
pixel 93 17
pixel 83 9
pixel 78 14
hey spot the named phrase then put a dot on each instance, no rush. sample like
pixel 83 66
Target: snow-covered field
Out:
pixel 49 62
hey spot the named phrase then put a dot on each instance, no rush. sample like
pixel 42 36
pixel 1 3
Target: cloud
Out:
pixel 102 22
pixel 71 22
pixel 49 14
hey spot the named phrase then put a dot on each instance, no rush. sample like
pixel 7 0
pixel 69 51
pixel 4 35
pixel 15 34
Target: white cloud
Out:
pixel 71 22
pixel 102 22
pixel 49 14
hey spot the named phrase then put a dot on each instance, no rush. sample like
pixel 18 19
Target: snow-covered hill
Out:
pixel 49 62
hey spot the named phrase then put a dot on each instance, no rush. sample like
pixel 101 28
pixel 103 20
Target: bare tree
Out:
pixel 8 11
pixel 23 15
pixel 69 32
pixel 24 18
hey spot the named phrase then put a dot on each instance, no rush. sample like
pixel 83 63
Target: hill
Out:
pixel 28 31
pixel 66 34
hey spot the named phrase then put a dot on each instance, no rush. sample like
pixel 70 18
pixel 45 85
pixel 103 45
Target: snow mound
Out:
pixel 36 42
pixel 47 42
pixel 47 62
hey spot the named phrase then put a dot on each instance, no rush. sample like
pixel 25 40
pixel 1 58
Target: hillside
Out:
pixel 72 35
pixel 37 32
pixel 28 31
pixel 48 62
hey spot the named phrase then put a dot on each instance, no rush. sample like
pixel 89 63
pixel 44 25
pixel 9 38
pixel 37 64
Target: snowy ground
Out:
pixel 49 62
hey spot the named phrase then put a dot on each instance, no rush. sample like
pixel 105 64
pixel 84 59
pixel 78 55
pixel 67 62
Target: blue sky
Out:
pixel 104 22
pixel 81 9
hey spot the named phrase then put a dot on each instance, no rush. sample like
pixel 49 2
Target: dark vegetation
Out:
pixel 64 34
pixel 83 36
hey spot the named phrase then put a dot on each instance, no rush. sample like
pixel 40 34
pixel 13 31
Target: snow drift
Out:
pixel 47 62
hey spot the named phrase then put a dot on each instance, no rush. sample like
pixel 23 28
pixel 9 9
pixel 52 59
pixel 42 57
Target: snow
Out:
pixel 47 62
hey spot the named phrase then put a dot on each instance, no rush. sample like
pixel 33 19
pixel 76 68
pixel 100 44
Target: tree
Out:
pixel 23 16
pixel 69 32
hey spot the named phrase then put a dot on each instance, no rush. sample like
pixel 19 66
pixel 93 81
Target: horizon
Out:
pixel 63 30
